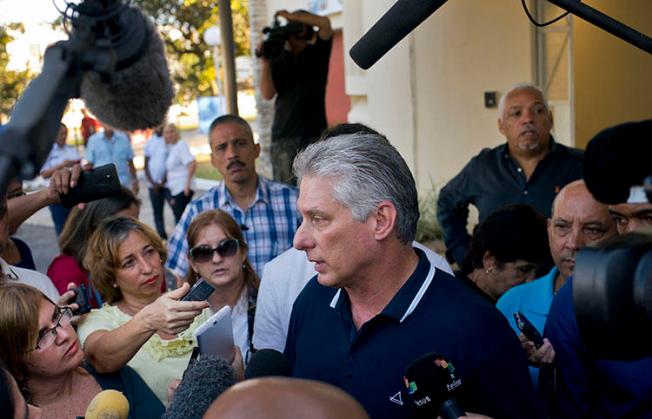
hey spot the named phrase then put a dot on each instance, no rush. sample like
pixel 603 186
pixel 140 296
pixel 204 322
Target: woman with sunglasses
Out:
pixel 41 350
pixel 218 254
pixel 137 326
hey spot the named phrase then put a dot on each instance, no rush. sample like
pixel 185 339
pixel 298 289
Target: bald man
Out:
pixel 577 220
pixel 280 398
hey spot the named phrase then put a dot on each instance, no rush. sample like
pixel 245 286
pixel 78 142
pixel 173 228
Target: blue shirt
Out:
pixel 432 312
pixel 589 387
pixel 100 151
pixel 493 179
pixel 270 223
pixel 532 299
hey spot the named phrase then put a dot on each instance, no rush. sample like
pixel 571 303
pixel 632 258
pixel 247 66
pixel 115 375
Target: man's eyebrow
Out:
pixel 614 212
pixel 642 212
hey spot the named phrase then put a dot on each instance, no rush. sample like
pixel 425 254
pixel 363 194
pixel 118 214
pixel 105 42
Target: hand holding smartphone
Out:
pixel 199 292
pixel 528 329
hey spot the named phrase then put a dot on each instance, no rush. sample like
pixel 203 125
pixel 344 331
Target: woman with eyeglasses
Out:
pixel 218 254
pixel 41 350
pixel 138 325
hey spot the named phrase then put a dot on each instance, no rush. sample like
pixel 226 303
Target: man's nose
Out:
pixel 575 239
pixel 302 238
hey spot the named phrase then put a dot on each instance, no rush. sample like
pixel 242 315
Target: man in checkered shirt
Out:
pixel 265 210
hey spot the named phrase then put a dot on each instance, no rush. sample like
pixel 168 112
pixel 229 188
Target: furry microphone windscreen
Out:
pixel 202 383
pixel 138 96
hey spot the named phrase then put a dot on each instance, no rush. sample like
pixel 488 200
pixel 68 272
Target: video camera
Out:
pixel 276 35
pixel 612 285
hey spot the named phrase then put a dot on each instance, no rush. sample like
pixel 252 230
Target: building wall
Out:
pixel 338 102
pixel 613 80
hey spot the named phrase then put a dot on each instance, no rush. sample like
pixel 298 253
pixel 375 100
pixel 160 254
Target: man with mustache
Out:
pixel 577 220
pixel 530 168
pixel 265 210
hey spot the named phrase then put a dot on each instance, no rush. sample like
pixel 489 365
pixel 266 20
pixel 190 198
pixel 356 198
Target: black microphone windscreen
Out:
pixel 137 96
pixel 202 383
pixel 616 159
pixel 431 385
pixel 266 363
pixel 399 21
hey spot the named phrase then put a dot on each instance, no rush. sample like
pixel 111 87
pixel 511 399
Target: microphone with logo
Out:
pixel 431 385
pixel 108 404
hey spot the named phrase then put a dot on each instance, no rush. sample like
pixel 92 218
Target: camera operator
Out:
pixel 297 76
pixel 586 384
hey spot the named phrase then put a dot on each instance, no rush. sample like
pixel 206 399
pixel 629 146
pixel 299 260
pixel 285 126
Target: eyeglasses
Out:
pixel 46 337
pixel 204 253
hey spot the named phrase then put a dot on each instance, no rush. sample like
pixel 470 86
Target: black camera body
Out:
pixel 276 35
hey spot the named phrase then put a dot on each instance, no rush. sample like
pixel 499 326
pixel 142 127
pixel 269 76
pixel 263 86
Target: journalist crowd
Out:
pixel 334 309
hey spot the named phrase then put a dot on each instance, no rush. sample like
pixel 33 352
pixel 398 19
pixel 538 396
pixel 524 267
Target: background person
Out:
pixel 156 154
pixel 69 265
pixel 218 254
pixel 180 166
pixel 41 349
pixel 61 156
pixel 530 168
pixel 137 325
pixel 111 146
pixel 507 249
pixel 298 80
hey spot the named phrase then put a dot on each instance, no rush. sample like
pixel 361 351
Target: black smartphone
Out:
pixel 528 329
pixel 81 298
pixel 95 184
pixel 199 292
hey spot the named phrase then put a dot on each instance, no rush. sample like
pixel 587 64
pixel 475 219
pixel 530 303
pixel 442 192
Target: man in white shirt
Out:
pixel 156 154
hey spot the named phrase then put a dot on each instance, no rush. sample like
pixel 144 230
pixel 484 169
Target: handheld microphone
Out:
pixel 268 363
pixel 431 386
pixel 399 21
pixel 202 383
pixel 108 404
pixel 138 94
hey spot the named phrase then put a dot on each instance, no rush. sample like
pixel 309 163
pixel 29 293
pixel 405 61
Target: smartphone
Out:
pixel 215 335
pixel 528 329
pixel 98 183
pixel 82 300
pixel 199 292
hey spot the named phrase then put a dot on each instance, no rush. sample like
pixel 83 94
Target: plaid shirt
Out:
pixel 270 221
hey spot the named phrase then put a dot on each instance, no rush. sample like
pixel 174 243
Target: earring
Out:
pixel 244 267
pixel 115 285
pixel 489 271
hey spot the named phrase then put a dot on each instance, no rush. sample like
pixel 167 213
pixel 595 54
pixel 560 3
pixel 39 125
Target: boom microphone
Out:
pixel 203 382
pixel 431 385
pixel 267 363
pixel 139 93
pixel 108 404
pixel 399 21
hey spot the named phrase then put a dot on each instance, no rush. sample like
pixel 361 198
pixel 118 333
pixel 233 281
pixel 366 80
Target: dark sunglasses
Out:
pixel 204 253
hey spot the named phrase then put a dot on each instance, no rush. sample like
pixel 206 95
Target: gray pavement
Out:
pixel 38 231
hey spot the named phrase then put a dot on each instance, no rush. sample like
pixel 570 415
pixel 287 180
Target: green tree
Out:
pixel 181 24
pixel 12 82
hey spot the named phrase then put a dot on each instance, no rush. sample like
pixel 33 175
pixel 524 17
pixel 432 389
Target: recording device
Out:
pixel 276 35
pixel 113 59
pixel 528 329
pixel 199 292
pixel 612 284
pixel 406 15
pixel 431 385
pixel 108 404
pixel 202 383
pixel 100 182
pixel 215 335
pixel 268 363
pixel 82 300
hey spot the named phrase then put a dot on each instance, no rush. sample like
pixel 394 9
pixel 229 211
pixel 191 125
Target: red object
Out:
pixel 88 127
pixel 64 270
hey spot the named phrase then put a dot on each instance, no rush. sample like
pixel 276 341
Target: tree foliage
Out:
pixel 181 24
pixel 12 82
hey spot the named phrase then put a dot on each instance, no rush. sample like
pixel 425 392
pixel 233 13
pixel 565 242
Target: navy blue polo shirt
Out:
pixel 432 312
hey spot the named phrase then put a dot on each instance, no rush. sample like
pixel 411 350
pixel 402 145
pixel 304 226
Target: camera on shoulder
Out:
pixel 276 35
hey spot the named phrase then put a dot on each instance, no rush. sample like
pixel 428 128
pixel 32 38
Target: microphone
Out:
pixel 108 404
pixel 138 94
pixel 268 363
pixel 399 21
pixel 616 165
pixel 202 383
pixel 431 385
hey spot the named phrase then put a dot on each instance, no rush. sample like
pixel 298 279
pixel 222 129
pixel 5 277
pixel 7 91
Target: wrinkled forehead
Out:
pixel 228 132
pixel 580 206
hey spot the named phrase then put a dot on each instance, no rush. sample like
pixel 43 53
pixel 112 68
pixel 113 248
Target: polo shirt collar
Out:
pixel 406 299
pixel 262 193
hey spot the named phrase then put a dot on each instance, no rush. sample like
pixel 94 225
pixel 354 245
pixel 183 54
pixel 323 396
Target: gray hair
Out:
pixel 366 170
pixel 519 86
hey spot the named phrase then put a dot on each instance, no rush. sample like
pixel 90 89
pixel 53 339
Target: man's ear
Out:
pixel 488 261
pixel 257 148
pixel 385 220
